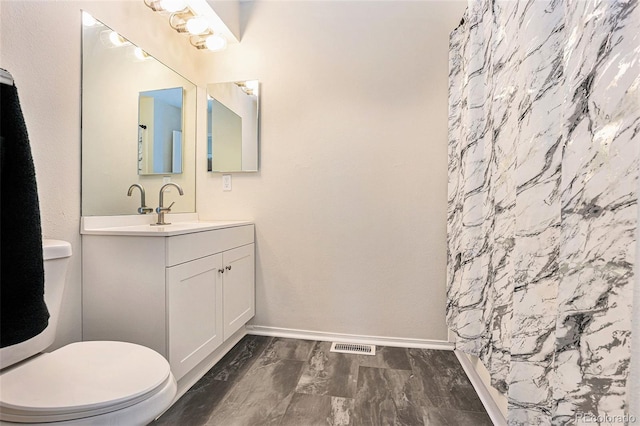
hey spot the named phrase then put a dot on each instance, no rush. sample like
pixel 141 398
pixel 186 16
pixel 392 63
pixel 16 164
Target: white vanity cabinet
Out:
pixel 194 312
pixel 182 295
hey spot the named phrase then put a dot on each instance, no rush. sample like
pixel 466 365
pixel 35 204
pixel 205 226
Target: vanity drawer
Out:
pixel 184 248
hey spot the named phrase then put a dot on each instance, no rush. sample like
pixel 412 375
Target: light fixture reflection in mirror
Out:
pixel 233 126
pixel 114 80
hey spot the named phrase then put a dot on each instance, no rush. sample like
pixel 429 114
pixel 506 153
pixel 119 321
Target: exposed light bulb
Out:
pixel 173 6
pixel 116 39
pixel 197 25
pixel 88 20
pixel 215 42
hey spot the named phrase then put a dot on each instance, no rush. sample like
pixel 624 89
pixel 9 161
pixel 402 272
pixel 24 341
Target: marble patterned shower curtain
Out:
pixel 544 143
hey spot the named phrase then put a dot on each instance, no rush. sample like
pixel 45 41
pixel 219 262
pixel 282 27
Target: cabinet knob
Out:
pixel 228 268
pixel 221 271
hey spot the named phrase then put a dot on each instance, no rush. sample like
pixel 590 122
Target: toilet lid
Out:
pixel 82 379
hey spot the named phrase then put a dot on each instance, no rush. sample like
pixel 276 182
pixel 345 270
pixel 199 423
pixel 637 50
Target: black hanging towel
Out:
pixel 23 312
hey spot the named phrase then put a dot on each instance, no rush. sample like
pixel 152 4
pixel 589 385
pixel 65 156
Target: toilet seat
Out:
pixel 81 380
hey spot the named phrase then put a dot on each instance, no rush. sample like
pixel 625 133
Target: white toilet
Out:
pixel 84 383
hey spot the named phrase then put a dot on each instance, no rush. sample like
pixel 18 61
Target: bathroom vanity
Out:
pixel 185 290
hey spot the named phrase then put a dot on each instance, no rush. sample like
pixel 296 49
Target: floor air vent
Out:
pixel 352 348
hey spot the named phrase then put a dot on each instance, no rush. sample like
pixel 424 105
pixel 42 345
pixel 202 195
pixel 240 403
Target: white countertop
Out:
pixel 141 225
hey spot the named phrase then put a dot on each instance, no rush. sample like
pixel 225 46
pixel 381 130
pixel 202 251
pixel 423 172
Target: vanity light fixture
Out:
pixel 173 6
pixel 216 42
pixel 155 5
pixel 197 25
pixel 183 19
pixel 178 21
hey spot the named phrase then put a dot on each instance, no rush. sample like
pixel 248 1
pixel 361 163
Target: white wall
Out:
pixel 350 202
pixel 41 48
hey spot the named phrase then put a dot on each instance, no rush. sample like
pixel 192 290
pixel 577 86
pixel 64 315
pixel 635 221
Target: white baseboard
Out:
pixel 490 405
pixel 349 338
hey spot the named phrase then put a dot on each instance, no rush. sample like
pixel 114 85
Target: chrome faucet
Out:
pixel 161 209
pixel 143 209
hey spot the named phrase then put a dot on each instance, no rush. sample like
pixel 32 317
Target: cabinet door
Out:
pixel 194 309
pixel 239 287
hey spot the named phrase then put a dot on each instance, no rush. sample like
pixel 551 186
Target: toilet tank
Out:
pixel 56 256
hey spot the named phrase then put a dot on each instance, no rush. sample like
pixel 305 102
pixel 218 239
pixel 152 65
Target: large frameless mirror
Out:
pixel 138 125
pixel 233 126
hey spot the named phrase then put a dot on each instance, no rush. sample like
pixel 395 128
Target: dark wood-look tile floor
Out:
pixel 277 381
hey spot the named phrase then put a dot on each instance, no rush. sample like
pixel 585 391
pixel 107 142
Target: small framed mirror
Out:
pixel 233 126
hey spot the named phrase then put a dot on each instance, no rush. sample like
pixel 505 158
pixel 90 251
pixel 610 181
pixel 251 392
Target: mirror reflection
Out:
pixel 160 131
pixel 232 126
pixel 138 126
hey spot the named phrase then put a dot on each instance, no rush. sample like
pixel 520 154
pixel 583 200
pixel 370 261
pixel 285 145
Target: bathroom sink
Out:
pixel 141 225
